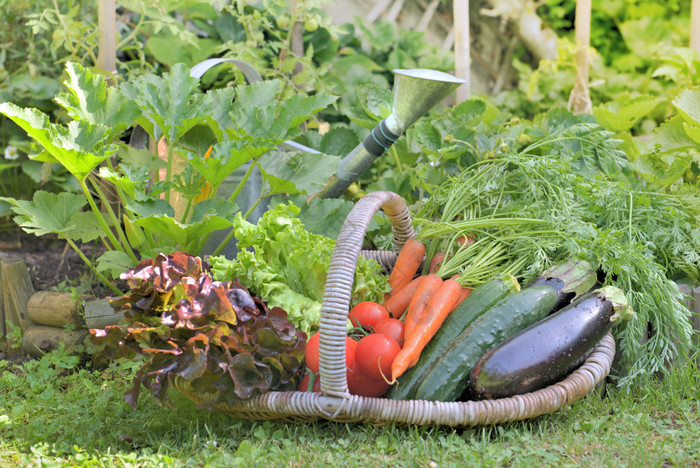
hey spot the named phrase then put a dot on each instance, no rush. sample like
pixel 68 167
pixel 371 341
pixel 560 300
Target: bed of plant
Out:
pixel 551 184
pixel 57 412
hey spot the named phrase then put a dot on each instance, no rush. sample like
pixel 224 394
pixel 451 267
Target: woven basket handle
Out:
pixel 341 273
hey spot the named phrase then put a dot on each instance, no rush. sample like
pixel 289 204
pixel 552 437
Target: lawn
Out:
pixel 56 412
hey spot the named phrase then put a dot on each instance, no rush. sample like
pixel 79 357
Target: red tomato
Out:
pixel 311 352
pixel 393 328
pixel 304 384
pixel 374 355
pixel 367 314
pixel 359 384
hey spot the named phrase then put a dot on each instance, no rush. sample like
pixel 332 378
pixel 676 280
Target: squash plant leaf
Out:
pixel 258 113
pixel 621 114
pixel 182 233
pixel 168 102
pixel 671 153
pixel 225 158
pixel 292 172
pixel 47 212
pixel 115 262
pixel 687 103
pixel 79 147
pixel 90 99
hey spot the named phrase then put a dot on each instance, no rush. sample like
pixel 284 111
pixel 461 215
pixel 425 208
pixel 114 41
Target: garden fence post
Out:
pixel 17 289
pixel 461 47
pixel 695 25
pixel 107 51
pixel 580 100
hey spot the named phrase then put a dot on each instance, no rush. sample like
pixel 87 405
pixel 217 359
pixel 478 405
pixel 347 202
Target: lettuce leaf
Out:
pixel 286 266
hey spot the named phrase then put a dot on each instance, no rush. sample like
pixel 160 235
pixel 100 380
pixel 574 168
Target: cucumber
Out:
pixel 450 373
pixel 547 351
pixel 571 279
pixel 478 302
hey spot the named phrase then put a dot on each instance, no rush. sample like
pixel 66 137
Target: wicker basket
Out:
pixel 336 404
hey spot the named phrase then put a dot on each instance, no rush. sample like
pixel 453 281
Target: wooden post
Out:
pixel 461 47
pixel 55 309
pixel 695 25
pixel 17 289
pixel 580 97
pixel 40 339
pixel 99 314
pixel 107 24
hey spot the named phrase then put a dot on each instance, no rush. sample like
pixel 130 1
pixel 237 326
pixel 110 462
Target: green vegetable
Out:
pixel 215 335
pixel 449 376
pixel 638 238
pixel 547 351
pixel 477 303
pixel 287 266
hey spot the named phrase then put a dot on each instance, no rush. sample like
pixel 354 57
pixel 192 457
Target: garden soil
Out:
pixel 52 264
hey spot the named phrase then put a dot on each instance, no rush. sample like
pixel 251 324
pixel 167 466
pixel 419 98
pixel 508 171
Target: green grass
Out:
pixel 55 413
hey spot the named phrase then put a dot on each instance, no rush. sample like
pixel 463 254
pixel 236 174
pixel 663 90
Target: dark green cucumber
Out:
pixel 479 301
pixel 547 351
pixel 450 373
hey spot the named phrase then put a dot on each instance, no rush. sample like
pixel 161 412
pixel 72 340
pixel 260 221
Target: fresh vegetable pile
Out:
pixel 286 266
pixel 567 192
pixel 228 344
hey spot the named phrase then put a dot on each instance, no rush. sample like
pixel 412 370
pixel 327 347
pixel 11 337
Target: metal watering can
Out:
pixel 416 91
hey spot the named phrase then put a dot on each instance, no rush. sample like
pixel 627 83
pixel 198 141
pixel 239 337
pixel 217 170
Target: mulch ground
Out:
pixel 50 261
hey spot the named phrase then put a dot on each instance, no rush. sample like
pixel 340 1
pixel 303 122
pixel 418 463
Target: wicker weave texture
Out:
pixel 337 404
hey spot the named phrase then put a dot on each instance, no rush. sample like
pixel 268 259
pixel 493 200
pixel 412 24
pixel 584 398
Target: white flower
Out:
pixel 11 153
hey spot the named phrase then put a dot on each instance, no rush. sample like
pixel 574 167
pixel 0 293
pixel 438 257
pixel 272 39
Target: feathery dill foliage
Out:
pixel 571 197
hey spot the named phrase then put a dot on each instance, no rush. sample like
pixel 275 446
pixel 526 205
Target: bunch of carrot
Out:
pixel 423 302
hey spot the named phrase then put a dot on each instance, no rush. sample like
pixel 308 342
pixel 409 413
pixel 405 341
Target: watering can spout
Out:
pixel 416 91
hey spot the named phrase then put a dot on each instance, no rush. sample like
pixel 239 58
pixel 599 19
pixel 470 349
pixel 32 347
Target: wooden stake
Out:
pixel 695 25
pixel 55 309
pixel 461 47
pixel 107 24
pixel 3 329
pixel 17 289
pixel 580 97
pixel 99 314
pixel 40 339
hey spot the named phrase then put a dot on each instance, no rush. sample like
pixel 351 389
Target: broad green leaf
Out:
pixel 77 147
pixel 47 212
pixel 376 102
pixel 90 99
pixel 115 262
pixel 291 172
pixel 470 110
pixel 181 233
pixel 220 102
pixel 152 207
pixel 338 141
pixel 168 102
pixel 225 158
pixel 130 180
pixel 324 217
pixel 213 206
pixel 85 226
pixel 671 135
pixel 259 114
pixel 692 131
pixel 172 49
pixel 621 114
pixel 664 168
pixel 140 158
pixel 687 103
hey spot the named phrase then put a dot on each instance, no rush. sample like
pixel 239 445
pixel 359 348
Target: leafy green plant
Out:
pixel 182 207
pixel 215 335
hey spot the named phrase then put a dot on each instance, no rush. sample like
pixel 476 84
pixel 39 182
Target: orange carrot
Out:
pixel 425 290
pixel 436 310
pixel 436 261
pixel 465 291
pixel 407 263
pixel 397 304
pixel 467 239
pixel 464 294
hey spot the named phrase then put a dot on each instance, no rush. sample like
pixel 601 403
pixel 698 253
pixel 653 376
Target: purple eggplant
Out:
pixel 549 350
